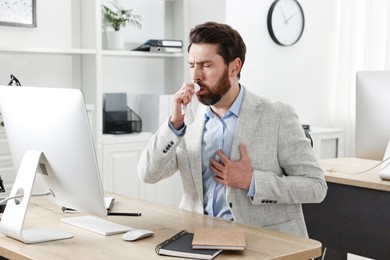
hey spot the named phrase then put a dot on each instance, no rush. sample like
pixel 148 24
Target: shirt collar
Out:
pixel 234 108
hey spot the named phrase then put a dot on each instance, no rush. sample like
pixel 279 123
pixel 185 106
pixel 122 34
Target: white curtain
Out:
pixel 363 43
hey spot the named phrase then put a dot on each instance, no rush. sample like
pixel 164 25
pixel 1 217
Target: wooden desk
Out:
pixel 163 220
pixel 355 215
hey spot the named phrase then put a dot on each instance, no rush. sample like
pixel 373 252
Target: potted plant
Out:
pixel 115 16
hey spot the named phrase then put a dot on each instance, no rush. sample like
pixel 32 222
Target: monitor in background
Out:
pixel 372 113
pixel 48 129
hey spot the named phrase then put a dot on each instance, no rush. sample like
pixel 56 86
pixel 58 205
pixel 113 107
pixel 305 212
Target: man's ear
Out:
pixel 235 67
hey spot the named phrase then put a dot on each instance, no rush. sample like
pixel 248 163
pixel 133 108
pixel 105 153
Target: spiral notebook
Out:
pixel 181 245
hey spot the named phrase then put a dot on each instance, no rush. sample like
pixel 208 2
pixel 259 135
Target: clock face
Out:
pixel 286 22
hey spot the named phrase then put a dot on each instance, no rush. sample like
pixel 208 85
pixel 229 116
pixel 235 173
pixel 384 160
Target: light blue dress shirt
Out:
pixel 218 134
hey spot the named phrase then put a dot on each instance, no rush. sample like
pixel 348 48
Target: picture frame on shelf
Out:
pixel 19 13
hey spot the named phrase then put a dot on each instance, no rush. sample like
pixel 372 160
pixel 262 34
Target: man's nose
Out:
pixel 197 75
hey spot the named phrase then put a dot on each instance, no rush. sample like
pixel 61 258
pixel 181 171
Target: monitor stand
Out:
pixel 15 211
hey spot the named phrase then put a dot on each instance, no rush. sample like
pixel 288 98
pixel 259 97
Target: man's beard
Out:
pixel 214 96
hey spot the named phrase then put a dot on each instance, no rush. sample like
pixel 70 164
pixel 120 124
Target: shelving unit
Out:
pixel 48 51
pixel 66 51
pixel 142 54
pixel 137 73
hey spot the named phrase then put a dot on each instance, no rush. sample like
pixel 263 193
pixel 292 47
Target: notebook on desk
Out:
pixel 108 202
pixel 219 238
pixel 180 245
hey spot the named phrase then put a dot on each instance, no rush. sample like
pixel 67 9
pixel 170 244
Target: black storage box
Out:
pixel 121 122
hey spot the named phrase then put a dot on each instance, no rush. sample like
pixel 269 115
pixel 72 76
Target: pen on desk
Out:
pixel 67 209
pixel 124 214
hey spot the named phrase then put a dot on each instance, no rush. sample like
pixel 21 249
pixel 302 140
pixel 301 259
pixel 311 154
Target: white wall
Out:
pixel 300 75
pixel 205 10
pixel 25 67
pixel 60 30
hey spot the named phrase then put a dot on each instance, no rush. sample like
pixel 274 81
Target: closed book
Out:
pixel 180 245
pixel 219 238
pixel 165 49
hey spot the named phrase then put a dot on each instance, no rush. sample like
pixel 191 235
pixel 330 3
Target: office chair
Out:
pixel 306 129
pixel 308 136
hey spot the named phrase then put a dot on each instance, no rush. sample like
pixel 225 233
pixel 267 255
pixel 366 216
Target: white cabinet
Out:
pixel 327 142
pixel 120 159
pixel 66 50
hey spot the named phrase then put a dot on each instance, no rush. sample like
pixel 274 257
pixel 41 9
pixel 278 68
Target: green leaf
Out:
pixel 119 17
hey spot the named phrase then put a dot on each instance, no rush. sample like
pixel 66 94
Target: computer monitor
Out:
pixel 372 113
pixel 48 129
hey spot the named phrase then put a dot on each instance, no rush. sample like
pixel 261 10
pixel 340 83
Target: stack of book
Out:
pixel 204 243
pixel 162 46
pixel 219 238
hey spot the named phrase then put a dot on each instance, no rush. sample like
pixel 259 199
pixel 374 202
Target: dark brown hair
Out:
pixel 230 42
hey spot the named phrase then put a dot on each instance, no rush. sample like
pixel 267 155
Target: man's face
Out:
pixel 208 69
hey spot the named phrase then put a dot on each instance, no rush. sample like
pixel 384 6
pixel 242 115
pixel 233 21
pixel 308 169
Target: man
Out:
pixel 243 158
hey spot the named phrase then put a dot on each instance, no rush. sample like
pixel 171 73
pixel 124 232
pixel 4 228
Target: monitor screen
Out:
pixel 372 113
pixel 54 121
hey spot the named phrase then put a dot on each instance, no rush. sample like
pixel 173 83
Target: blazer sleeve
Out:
pixel 296 176
pixel 158 160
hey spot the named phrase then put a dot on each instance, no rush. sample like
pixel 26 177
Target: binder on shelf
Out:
pixel 181 245
pixel 164 43
pixel 165 49
pixel 159 43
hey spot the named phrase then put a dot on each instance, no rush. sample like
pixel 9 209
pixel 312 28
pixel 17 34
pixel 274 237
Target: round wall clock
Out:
pixel 286 22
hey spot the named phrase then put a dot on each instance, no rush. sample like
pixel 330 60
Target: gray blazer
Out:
pixel 285 170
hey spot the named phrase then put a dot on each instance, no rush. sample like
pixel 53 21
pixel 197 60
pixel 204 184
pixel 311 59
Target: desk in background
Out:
pixel 355 215
pixel 165 221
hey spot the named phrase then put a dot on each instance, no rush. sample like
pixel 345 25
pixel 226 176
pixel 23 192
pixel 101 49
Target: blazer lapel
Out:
pixel 246 124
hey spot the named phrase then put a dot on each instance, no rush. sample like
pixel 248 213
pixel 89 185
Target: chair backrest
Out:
pixel 308 136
